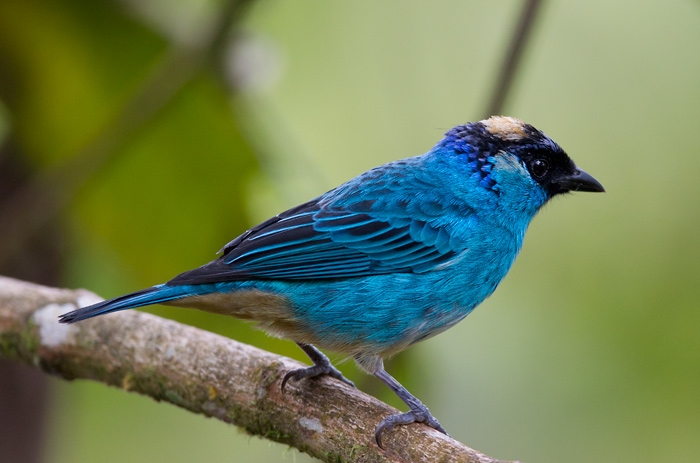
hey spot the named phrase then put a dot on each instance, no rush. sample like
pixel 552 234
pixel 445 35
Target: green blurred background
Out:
pixel 139 136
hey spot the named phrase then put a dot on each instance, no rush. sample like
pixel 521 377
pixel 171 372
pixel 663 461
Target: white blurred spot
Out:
pixel 51 332
pixel 87 299
pixel 253 64
pixel 311 423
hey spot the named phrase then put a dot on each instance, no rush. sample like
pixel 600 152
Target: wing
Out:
pixel 336 237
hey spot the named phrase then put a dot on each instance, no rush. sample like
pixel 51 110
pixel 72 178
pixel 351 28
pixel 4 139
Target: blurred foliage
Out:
pixel 67 68
pixel 588 350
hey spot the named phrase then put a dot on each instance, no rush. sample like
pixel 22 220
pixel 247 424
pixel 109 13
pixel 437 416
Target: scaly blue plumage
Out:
pixel 389 258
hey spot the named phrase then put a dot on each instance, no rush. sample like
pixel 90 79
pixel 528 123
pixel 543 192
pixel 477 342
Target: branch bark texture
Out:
pixel 209 374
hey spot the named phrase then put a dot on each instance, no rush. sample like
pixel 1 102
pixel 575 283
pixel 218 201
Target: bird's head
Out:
pixel 513 159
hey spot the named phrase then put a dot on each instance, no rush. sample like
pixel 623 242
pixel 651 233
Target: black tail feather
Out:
pixel 148 296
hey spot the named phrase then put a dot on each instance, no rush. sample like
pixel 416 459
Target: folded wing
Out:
pixel 318 240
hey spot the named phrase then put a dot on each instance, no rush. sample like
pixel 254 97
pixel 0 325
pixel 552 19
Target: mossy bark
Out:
pixel 212 375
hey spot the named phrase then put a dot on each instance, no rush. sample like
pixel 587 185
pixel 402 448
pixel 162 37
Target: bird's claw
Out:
pixel 312 371
pixel 420 414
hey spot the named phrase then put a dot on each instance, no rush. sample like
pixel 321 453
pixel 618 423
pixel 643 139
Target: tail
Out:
pixel 153 295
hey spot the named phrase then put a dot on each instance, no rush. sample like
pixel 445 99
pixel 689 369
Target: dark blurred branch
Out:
pixel 40 259
pixel 45 196
pixel 208 374
pixel 512 58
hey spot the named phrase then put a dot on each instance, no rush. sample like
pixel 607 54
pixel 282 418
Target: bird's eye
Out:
pixel 539 168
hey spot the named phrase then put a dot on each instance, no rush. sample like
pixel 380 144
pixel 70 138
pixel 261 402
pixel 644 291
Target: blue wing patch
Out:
pixel 319 241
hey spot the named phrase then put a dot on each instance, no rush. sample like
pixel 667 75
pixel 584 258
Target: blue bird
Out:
pixel 391 257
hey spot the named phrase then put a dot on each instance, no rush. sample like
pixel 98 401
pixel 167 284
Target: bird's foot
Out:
pixel 418 414
pixel 321 366
pixel 310 372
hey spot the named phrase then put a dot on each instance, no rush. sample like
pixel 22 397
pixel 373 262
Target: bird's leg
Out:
pixel 417 413
pixel 322 366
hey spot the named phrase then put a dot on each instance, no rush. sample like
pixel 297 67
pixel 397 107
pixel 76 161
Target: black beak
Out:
pixel 579 181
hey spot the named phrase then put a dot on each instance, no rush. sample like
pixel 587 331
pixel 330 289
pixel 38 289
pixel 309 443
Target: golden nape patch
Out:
pixel 506 128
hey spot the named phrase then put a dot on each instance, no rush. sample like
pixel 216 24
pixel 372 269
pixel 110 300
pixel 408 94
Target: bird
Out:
pixel 389 258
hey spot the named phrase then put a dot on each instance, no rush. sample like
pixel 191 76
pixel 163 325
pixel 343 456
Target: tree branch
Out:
pixel 209 374
pixel 512 58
